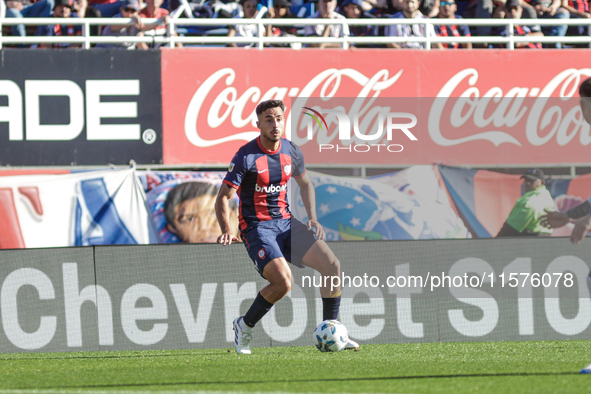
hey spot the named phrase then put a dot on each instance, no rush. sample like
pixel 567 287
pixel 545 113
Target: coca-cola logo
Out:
pixel 546 112
pixel 228 106
pixel 462 112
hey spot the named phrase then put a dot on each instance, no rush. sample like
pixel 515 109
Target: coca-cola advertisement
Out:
pixel 461 108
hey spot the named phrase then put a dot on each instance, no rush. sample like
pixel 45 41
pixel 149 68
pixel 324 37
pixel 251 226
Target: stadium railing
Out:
pixel 260 40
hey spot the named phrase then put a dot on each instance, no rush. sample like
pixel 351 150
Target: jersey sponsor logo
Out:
pixel 261 171
pixel 270 188
pixel 287 169
pixel 262 253
pixel 231 167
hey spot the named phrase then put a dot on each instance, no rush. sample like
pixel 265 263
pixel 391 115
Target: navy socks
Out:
pixel 257 310
pixel 330 308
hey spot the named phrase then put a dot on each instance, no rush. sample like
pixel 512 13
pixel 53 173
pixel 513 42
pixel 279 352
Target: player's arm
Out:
pixel 554 219
pixel 580 210
pixel 222 212
pixel 309 199
pixel 582 226
pixel 559 219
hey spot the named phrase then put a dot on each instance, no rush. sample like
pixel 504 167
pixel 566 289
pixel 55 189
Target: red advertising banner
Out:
pixel 479 107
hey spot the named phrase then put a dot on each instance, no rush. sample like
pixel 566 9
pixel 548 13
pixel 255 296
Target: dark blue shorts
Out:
pixel 288 238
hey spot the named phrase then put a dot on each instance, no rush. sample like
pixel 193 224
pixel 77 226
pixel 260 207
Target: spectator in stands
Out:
pixel 227 9
pixel 551 9
pixel 80 7
pixel 353 9
pixel 23 9
pixel 110 8
pixel 62 9
pixel 92 12
pixel 499 12
pixel 368 5
pixel 578 9
pixel 249 10
pixel 430 8
pixel 327 10
pixel 386 8
pixel 129 9
pixel 281 9
pixel 447 10
pixel 513 10
pixel 153 10
pixel 485 9
pixel 529 11
pixel 410 10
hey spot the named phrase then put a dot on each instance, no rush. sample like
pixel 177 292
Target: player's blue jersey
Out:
pixel 261 177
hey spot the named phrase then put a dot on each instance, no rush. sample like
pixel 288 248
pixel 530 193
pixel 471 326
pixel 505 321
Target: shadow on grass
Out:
pixel 384 378
pixel 102 355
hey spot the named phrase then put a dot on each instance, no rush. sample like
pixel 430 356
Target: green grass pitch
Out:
pixel 489 367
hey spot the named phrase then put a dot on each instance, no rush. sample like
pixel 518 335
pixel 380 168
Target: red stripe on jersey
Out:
pixel 241 222
pixel 286 170
pixel 261 206
pixel 227 182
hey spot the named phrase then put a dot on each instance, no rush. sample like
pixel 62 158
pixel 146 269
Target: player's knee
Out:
pixel 285 286
pixel 281 285
pixel 334 266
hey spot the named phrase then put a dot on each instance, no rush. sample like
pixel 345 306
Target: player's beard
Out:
pixel 272 137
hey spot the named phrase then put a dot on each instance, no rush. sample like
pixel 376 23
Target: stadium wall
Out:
pixel 186 296
pixel 194 107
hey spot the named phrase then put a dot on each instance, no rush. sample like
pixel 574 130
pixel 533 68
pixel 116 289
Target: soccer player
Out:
pixel 260 171
pixel 582 211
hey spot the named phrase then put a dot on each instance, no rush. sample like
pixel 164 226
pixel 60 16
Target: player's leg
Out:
pixel 263 249
pixel 321 258
pixel 303 248
pixel 278 273
pixel 587 369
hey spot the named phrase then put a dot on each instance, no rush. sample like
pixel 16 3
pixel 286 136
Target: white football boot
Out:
pixel 242 337
pixel 351 345
pixel 587 369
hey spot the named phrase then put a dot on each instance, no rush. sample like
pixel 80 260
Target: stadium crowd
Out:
pixel 137 10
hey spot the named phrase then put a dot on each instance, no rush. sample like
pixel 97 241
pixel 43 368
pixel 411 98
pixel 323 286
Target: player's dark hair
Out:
pixel 265 105
pixel 585 88
pixel 183 192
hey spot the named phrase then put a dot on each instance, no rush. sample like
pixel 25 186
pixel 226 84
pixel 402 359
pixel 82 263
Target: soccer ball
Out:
pixel 331 336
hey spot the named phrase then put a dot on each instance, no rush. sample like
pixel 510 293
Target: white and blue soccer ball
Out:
pixel 331 336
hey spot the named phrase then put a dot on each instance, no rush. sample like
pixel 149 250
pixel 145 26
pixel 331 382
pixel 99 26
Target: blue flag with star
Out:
pixel 366 209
